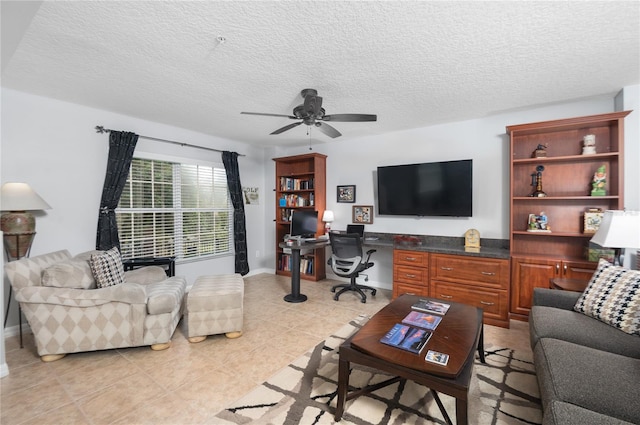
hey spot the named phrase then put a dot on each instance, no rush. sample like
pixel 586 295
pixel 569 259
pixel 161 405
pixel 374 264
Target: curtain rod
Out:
pixel 101 129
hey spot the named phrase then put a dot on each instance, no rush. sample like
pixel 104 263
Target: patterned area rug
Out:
pixel 503 391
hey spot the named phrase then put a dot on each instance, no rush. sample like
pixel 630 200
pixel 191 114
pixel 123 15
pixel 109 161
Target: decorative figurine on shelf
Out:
pixel 536 181
pixel 599 182
pixel 589 144
pixel 538 223
pixel 540 151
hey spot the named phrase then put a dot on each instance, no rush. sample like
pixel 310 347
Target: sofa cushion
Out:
pixel 561 413
pixel 107 268
pixel 69 274
pixel 613 297
pixel 571 326
pixel 595 380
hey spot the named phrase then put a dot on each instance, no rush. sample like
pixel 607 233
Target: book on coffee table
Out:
pixel 407 337
pixel 430 306
pixel 422 320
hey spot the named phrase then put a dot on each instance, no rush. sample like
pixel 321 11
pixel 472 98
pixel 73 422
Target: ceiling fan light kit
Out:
pixel 312 113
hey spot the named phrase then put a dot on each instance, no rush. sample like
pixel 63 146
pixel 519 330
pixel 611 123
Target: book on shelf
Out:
pixel 430 306
pixel 422 320
pixel 405 337
pixel 288 183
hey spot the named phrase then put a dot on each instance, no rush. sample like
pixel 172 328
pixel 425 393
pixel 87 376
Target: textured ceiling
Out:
pixel 414 64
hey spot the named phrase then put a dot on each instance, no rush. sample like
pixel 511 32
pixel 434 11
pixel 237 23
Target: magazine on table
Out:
pixel 422 320
pixel 407 337
pixel 431 306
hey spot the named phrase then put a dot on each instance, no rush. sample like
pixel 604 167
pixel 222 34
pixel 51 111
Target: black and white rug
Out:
pixel 503 391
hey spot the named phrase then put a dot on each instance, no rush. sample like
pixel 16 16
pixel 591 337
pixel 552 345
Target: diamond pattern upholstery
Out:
pixel 215 305
pixel 69 320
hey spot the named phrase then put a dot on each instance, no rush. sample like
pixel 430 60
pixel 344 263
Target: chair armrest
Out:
pixel 129 293
pixel 371 251
pixel 564 300
pixel 165 296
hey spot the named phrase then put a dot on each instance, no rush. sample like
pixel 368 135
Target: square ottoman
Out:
pixel 214 306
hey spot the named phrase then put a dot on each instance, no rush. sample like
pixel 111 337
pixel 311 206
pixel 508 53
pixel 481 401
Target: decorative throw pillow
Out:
pixel 613 297
pixel 69 274
pixel 107 268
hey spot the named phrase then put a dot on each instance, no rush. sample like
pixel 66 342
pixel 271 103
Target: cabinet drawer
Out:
pixel 414 275
pixel 405 288
pixel 485 271
pixel 494 303
pixel 411 258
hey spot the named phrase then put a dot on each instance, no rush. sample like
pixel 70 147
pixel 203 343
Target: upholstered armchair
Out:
pixel 69 313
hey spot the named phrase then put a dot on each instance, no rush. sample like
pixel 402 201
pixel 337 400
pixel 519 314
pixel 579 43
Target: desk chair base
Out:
pixel 353 286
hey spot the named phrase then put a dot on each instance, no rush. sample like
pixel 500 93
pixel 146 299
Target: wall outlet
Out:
pixel 257 254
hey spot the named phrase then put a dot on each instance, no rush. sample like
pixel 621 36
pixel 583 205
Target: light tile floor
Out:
pixel 188 383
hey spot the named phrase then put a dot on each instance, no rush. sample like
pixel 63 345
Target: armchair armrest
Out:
pixel 371 251
pixel 129 293
pixel 555 298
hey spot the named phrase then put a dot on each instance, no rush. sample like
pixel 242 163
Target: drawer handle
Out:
pixel 448 297
pixel 410 275
pixel 410 258
pixel 447 268
pixel 488 273
pixel 486 303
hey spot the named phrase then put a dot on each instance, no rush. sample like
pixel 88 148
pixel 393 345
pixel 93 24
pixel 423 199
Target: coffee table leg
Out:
pixel 481 344
pixel 343 386
pixel 461 412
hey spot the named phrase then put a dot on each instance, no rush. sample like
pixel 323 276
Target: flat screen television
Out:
pixel 304 223
pixel 427 189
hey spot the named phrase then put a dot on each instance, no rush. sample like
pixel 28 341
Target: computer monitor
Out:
pixel 304 223
pixel 356 228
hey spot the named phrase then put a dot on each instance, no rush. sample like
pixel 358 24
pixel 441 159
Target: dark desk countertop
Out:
pixel 490 248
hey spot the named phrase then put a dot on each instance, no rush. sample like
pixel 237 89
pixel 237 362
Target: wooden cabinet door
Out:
pixel 526 274
pixel 582 270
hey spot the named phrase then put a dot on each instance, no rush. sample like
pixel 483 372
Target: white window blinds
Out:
pixel 174 210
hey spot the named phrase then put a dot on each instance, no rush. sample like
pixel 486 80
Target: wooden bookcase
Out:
pixel 301 182
pixel 566 180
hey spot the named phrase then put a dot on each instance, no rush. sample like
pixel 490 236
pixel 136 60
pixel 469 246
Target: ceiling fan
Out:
pixel 311 112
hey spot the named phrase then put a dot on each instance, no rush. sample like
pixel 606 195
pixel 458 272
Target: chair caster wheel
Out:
pixel 373 292
pixel 333 290
pixel 335 298
pixel 363 301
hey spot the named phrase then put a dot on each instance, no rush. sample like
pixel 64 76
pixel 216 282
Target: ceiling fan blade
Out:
pixel 312 104
pixel 286 127
pixel 269 115
pixel 328 130
pixel 350 117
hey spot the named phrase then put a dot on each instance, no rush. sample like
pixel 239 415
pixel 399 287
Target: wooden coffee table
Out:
pixel 459 334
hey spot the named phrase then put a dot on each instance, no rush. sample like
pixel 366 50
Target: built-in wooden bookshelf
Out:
pixel 566 180
pixel 300 184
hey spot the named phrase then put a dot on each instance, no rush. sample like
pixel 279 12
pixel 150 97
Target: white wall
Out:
pixel 53 146
pixel 483 140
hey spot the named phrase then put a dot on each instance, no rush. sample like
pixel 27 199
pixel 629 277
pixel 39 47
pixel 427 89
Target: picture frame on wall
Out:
pixel 363 214
pixel 346 193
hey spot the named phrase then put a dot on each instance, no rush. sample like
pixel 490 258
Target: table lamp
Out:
pixel 17 223
pixel 619 230
pixel 328 218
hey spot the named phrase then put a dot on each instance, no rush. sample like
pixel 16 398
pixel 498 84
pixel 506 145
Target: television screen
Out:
pixel 304 223
pixel 427 189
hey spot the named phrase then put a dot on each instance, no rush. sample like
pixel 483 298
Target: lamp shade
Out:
pixel 20 197
pixel 619 229
pixel 327 216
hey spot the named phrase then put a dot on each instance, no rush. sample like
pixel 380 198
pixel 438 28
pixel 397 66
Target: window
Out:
pixel 169 209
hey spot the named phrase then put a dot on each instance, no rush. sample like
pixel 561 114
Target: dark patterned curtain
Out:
pixel 230 160
pixel 121 147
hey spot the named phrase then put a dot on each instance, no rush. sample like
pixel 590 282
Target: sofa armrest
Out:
pixel 165 296
pixel 555 298
pixel 145 275
pixel 129 293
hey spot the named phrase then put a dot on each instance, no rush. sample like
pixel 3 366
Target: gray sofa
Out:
pixel 588 371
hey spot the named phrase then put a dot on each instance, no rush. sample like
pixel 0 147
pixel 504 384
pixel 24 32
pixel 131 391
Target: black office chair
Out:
pixel 347 260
